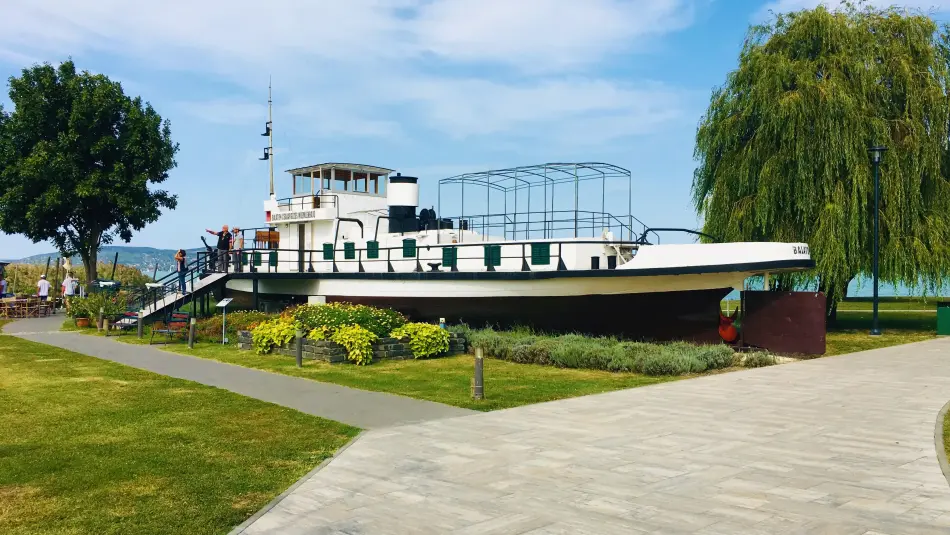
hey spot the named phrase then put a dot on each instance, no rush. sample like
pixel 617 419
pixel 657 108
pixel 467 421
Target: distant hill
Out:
pixel 143 258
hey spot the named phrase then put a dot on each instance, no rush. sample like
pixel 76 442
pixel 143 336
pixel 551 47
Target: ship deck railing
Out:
pixel 547 255
pixel 547 224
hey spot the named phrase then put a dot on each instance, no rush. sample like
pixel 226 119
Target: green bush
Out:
pixel 463 330
pixel 320 333
pixel 576 351
pixel 533 351
pixel 601 353
pixel 243 320
pixel 358 342
pixel 89 306
pixel 272 333
pixel 716 357
pixel 332 316
pixel 425 340
pixel 758 360
pixel 77 307
pixel 501 344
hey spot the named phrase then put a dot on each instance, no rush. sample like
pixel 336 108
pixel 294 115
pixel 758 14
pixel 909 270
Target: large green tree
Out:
pixel 783 148
pixel 77 157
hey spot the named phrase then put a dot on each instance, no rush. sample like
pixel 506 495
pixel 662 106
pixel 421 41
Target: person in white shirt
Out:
pixel 69 289
pixel 3 286
pixel 42 288
pixel 69 285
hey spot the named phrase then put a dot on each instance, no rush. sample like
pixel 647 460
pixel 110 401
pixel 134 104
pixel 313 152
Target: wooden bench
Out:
pixel 266 239
pixel 176 323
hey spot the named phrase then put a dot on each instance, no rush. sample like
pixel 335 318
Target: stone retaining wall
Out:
pixel 384 348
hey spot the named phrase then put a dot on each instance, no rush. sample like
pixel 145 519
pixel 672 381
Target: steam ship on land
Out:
pixel 354 233
pixel 535 257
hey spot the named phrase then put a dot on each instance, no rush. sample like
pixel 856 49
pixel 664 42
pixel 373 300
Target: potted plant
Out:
pixel 78 311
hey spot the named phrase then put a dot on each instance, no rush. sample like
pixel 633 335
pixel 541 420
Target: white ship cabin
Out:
pixel 344 217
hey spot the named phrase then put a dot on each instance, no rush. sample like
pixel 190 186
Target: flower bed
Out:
pixel 327 351
pixel 365 333
pixel 605 353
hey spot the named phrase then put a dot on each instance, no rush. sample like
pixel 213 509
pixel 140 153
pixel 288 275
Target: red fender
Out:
pixel 728 331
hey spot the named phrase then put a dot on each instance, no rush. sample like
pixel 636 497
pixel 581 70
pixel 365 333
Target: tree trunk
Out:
pixel 833 297
pixel 90 262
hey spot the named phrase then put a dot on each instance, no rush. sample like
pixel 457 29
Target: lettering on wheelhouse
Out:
pixel 294 216
pixel 800 249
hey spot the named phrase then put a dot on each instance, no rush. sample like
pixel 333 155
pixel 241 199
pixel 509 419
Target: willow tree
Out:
pixel 783 148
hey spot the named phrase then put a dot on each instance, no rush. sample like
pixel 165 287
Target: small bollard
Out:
pixel 191 334
pixel 141 324
pixel 478 389
pixel 102 312
pixel 299 336
pixel 105 325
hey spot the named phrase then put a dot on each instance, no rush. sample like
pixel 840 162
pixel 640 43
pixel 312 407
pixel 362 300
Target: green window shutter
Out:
pixel 328 251
pixel 372 249
pixel 257 259
pixel 408 248
pixel 450 256
pixel 541 254
pixel 244 258
pixel 272 259
pixel 349 250
pixel 492 255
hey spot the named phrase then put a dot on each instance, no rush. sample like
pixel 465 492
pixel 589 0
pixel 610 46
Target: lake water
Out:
pixel 864 288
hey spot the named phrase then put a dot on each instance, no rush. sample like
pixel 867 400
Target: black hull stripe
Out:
pixel 755 267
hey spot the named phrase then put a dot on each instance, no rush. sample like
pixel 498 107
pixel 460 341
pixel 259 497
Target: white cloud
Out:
pixel 543 34
pixel 786 6
pixel 352 67
pixel 525 33
pixel 491 108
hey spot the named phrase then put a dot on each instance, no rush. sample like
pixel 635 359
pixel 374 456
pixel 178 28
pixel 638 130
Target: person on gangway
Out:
pixel 224 246
pixel 181 266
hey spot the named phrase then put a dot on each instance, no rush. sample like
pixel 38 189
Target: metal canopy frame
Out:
pixel 546 176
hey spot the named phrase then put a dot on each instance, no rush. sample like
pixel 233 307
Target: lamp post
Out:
pixel 876 153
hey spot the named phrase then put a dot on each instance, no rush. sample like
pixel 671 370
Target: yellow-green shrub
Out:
pixel 271 334
pixel 379 321
pixel 320 333
pixel 357 341
pixel 425 340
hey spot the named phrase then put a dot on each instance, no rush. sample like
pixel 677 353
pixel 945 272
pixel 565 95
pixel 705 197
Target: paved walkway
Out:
pixel 360 408
pixel 836 446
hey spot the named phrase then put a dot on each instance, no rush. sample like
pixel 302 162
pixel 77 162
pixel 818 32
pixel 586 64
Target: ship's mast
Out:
pixel 269 132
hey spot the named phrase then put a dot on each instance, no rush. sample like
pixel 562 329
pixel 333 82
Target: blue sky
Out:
pixel 431 88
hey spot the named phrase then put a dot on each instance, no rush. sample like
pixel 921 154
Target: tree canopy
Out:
pixel 77 157
pixel 782 150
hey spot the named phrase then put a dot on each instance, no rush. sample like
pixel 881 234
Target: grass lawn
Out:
pixel 444 380
pixel 850 334
pixel 90 446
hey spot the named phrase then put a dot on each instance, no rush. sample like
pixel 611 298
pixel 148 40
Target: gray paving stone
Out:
pixel 838 446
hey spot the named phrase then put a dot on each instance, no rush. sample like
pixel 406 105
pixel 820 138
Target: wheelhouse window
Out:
pixel 360 182
pixel 342 180
pixel 303 185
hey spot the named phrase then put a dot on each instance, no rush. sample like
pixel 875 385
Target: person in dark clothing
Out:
pixel 181 266
pixel 224 245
